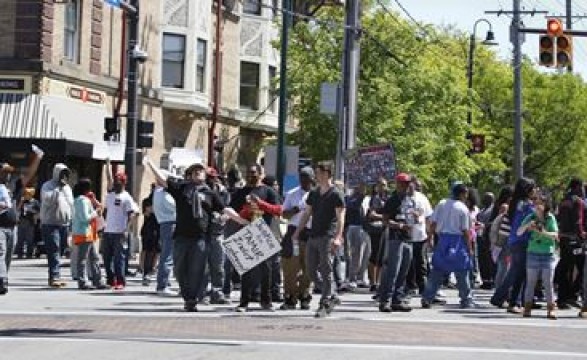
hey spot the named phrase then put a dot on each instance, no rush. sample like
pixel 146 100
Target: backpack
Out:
pixel 451 254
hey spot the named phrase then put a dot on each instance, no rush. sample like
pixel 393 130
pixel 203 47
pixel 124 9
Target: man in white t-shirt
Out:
pixel 416 279
pixel 120 209
pixel 296 282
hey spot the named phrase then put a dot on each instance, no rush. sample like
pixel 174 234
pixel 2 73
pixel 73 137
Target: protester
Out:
pixel 29 209
pixel 325 206
pixel 451 221
pixel 150 247
pixel 542 254
pixel 165 212
pixel 56 214
pixel 84 231
pixel 375 228
pixel 499 234
pixel 519 207
pixel 357 239
pixel 195 203
pixel 486 265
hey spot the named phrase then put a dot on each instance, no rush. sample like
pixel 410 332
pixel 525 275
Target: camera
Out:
pixel 139 55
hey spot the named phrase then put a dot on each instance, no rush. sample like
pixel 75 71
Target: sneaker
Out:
pixel 289 304
pixel 146 281
pixel 118 286
pixel 496 303
pixel 220 300
pixel 84 286
pixel 267 306
pixel 468 305
pixel 56 283
pixel 323 311
pixel 190 306
pixel 101 286
pixel 426 304
pixel 437 301
pixel 305 303
pixel 385 307
pixel 362 284
pixel 335 300
pixel 241 308
pixel 514 310
pixel 205 301
pixel 373 288
pixel 401 307
pixel 167 292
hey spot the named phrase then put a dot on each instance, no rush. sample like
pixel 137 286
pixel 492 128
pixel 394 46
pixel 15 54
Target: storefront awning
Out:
pixel 32 116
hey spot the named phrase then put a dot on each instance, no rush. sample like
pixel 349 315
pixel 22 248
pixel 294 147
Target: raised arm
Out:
pixel 159 176
pixel 109 178
pixel 34 165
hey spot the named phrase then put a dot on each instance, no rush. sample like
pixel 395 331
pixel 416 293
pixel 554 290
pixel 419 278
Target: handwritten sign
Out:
pixel 250 246
pixel 367 165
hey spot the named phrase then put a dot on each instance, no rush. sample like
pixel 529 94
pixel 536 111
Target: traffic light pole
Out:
pixel 130 158
pixel 518 131
pixel 283 94
pixel 569 16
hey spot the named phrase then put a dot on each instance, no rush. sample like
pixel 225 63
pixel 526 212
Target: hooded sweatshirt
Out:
pixel 56 200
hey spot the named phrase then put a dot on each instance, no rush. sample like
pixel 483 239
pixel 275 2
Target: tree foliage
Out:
pixel 420 105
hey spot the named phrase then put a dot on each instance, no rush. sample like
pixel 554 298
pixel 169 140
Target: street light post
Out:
pixel 490 41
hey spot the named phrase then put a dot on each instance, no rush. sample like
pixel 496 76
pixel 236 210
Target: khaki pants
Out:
pixel 296 282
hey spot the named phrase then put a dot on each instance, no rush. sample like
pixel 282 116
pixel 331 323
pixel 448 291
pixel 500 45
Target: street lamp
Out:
pixel 489 41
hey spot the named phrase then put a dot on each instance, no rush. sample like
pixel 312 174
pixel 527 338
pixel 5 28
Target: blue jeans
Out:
pixel 501 266
pixel 514 278
pixel 189 260
pixel 215 273
pixel 166 230
pixel 436 278
pixel 114 254
pixel 53 237
pixel 6 235
pixel 397 263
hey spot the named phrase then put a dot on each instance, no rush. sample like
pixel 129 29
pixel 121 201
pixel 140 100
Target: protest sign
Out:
pixel 369 164
pixel 250 246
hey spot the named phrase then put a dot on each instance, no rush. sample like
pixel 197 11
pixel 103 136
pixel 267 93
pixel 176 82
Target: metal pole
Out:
pixel 130 158
pixel 353 74
pixel 569 13
pixel 283 94
pixel 518 135
pixel 470 77
pixel 217 84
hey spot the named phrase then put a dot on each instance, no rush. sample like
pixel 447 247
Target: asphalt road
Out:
pixel 38 322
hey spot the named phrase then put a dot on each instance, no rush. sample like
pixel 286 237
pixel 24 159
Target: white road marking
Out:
pixel 280 344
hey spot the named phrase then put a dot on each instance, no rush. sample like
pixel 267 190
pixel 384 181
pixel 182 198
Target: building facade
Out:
pixel 61 62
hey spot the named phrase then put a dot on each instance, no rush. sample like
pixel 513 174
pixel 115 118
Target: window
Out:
pixel 252 7
pixel 272 90
pixel 71 41
pixel 201 55
pixel 173 61
pixel 249 91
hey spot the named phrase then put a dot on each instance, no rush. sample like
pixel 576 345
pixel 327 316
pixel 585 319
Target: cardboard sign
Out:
pixel 367 165
pixel 250 246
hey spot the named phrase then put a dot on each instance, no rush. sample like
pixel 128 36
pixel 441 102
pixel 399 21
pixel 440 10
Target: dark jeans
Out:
pixel 26 239
pixel 114 253
pixel 395 269
pixel 514 278
pixel 486 266
pixel 53 237
pixel 262 271
pixel 189 261
pixel 6 235
pixel 166 230
pixel 567 284
pixel 275 274
pixel 419 270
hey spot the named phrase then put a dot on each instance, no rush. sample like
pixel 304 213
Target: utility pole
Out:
pixel 283 93
pixel 132 115
pixel 347 122
pixel 518 131
pixel 517 38
pixel 217 84
pixel 569 16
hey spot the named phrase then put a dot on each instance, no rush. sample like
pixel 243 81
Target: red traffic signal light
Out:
pixel 554 27
pixel 477 143
pixel 546 55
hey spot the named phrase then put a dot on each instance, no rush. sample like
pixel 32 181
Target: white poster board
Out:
pixel 250 246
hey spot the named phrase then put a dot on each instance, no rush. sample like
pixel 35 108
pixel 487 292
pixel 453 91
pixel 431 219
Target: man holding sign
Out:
pixel 325 205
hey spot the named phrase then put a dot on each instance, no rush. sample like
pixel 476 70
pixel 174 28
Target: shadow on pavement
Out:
pixel 41 331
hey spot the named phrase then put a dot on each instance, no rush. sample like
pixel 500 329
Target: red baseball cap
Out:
pixel 403 177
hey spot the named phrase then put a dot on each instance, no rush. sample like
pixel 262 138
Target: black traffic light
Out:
pixel 145 134
pixel 564 51
pixel 477 144
pixel 111 127
pixel 546 56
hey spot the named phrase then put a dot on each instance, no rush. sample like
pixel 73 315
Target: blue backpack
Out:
pixel 451 254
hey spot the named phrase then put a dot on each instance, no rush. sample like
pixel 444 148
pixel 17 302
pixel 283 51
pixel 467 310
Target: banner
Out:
pixel 369 164
pixel 250 246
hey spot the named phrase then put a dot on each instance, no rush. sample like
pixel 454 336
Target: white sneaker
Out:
pixel 167 292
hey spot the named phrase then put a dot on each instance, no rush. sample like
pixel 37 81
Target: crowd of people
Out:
pixel 392 242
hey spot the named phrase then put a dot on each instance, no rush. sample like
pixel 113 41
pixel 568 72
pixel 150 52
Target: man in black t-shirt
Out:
pixel 325 204
pixel 195 203
pixel 255 189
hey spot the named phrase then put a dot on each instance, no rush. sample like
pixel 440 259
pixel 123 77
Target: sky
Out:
pixel 464 13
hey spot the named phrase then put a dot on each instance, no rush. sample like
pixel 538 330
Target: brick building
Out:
pixel 61 61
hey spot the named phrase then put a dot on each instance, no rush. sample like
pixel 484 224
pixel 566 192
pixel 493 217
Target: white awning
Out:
pixel 51 117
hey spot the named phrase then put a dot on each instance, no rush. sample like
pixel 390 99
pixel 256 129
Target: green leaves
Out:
pixel 421 107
